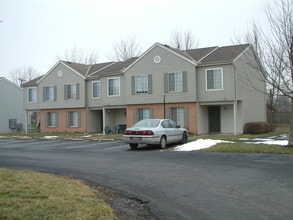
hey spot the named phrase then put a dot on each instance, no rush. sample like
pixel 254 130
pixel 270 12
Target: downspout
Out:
pixel 235 106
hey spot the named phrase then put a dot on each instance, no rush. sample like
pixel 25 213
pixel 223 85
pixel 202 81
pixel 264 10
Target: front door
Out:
pixel 214 119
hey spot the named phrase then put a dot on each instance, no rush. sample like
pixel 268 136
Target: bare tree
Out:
pixel 78 55
pixel 183 40
pixel 126 49
pixel 21 75
pixel 274 49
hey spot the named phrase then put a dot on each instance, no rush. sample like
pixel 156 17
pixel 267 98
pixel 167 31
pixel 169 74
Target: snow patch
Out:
pixel 199 144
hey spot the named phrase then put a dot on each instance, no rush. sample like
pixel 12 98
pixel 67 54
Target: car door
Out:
pixel 177 132
pixel 168 131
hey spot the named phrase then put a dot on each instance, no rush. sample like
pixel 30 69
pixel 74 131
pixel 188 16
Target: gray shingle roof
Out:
pixel 33 82
pixel 80 68
pixel 97 67
pixel 199 53
pixel 117 67
pixel 225 54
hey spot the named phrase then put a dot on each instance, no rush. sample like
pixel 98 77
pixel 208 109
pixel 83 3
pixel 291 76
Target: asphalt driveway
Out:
pixel 175 185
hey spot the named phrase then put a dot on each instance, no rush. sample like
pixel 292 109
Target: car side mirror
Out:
pixel 178 126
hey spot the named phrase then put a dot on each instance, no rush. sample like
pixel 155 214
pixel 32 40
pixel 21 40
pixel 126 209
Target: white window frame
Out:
pixel 35 95
pixel 53 122
pixel 178 86
pixel 99 90
pixel 142 81
pixel 51 97
pixel 108 92
pixel 222 80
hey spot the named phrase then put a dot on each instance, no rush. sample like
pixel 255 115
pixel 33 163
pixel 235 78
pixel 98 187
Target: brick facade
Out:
pixel 158 112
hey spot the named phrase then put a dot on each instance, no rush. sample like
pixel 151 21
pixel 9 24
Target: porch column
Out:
pixel 104 121
pixel 235 116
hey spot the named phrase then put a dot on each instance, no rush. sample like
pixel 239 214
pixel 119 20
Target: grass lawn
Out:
pixel 249 148
pixel 240 147
pixel 31 195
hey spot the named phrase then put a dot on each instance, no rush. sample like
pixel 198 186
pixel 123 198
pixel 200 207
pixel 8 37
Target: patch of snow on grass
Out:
pixel 270 142
pixel 199 144
pixel 50 137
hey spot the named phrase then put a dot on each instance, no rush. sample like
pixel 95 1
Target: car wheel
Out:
pixel 184 138
pixel 163 142
pixel 133 146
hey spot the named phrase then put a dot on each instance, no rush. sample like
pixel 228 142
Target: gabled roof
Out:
pixel 199 56
pixel 225 54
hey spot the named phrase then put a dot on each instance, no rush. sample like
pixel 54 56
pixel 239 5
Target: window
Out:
pixel 214 79
pixel 32 94
pixel 51 119
pixel 177 115
pixel 114 86
pixel 96 89
pixel 141 84
pixel 71 91
pixel 143 113
pixel 49 93
pixel 73 119
pixel 175 82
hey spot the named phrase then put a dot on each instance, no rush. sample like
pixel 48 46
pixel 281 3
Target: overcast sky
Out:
pixel 34 32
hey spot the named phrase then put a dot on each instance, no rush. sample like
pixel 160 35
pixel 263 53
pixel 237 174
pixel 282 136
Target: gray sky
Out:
pixel 35 32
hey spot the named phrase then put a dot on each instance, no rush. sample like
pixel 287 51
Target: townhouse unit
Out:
pixel 12 114
pixel 206 90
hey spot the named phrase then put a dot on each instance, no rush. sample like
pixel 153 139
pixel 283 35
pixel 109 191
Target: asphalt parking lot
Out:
pixel 174 185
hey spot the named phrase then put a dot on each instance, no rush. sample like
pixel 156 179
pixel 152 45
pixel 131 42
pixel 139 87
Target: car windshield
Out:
pixel 148 123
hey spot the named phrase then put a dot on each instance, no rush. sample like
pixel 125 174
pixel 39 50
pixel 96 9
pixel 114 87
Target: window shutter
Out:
pixel 151 113
pixel 44 93
pixel 77 90
pixel 55 93
pixel 46 119
pixel 78 119
pixel 56 119
pixel 133 85
pixel 135 115
pixel 186 117
pixel 65 92
pixel 67 119
pixel 166 83
pixel 150 84
pixel 184 81
pixel 168 113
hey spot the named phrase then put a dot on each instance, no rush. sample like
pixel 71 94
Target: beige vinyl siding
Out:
pixel 68 77
pixel 169 63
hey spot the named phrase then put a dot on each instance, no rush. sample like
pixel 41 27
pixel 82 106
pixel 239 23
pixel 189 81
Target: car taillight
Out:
pixel 144 132
pixel 127 132
pixel 147 132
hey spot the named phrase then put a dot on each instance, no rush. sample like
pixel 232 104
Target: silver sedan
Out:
pixel 155 132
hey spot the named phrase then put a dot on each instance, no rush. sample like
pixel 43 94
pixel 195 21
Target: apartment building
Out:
pixel 206 90
pixel 11 110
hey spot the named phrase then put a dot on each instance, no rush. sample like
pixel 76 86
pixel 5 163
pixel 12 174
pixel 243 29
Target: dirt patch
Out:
pixel 125 207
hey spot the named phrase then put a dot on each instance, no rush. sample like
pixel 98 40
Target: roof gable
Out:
pixel 177 52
